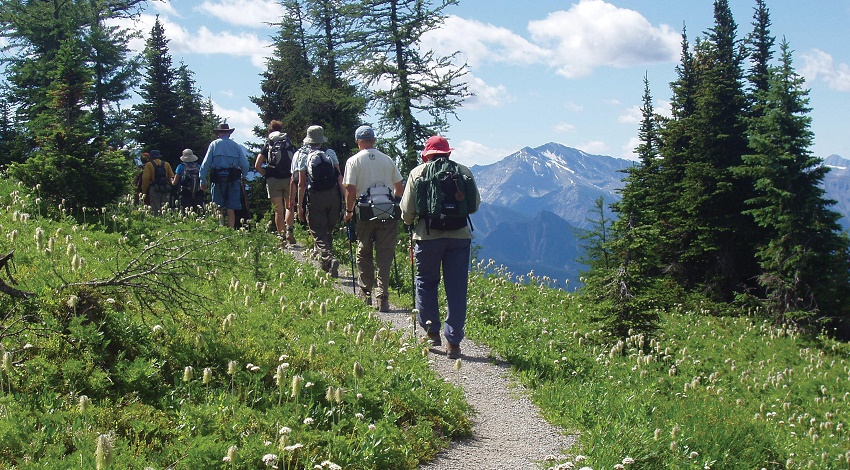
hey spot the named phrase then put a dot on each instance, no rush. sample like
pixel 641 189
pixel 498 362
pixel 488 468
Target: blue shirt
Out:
pixel 223 153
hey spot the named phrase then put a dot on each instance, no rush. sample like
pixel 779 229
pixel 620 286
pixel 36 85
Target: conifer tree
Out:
pixel 422 85
pixel 195 115
pixel 804 258
pixel 156 117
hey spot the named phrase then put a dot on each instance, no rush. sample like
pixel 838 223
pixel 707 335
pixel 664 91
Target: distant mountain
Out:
pixel 554 178
pixel 837 186
pixel 535 203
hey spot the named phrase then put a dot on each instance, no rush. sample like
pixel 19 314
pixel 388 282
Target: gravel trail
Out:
pixel 508 432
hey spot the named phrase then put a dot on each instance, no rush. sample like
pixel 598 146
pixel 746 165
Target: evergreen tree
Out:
pixel 804 259
pixel 13 147
pixel 421 84
pixel 760 44
pixel 195 116
pixel 156 118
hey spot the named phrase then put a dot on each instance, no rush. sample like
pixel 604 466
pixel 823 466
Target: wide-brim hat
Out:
pixel 315 135
pixel 154 154
pixel 188 156
pixel 224 127
pixel 436 144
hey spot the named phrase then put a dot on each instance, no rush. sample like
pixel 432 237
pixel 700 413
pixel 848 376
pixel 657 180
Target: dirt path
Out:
pixel 508 432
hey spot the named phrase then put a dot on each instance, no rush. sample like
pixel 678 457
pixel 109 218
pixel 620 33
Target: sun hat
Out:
pixel 315 135
pixel 436 144
pixel 154 154
pixel 188 156
pixel 364 132
pixel 223 128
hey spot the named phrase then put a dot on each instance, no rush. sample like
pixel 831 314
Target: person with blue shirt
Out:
pixel 224 168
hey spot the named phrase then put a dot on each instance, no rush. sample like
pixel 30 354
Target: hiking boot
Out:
pixel 366 296
pixel 290 238
pixel 453 351
pixel 334 268
pixel 434 339
pixel 383 304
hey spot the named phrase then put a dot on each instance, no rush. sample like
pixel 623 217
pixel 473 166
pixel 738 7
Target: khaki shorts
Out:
pixel 278 187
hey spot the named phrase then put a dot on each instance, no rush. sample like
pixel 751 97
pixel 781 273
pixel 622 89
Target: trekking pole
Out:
pixel 350 234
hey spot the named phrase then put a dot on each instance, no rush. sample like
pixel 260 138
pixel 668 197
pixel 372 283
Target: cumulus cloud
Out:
pixel 564 128
pixel 164 7
pixel 242 119
pixel 818 65
pixel 574 107
pixel 595 33
pixel 203 41
pixel 595 147
pixel 485 95
pixel 480 43
pixel 629 149
pixel 632 115
pixel 252 13
pixel 471 153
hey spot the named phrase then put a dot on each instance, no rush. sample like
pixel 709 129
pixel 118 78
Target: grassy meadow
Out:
pixel 176 343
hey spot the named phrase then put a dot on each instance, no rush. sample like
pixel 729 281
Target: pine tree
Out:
pixel 156 118
pixel 195 115
pixel 421 83
pixel 804 259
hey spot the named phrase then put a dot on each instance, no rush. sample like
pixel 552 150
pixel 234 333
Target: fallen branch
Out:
pixel 7 289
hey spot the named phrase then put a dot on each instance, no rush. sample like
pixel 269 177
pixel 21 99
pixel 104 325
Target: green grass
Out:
pixel 708 392
pixel 116 342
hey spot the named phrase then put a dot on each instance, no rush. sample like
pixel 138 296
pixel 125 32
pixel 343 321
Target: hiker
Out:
pixel 274 162
pixel 224 166
pixel 187 177
pixel 156 181
pixel 370 168
pixel 140 195
pixel 435 247
pixel 319 181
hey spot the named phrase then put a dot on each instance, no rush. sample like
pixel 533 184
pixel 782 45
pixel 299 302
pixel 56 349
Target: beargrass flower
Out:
pixel 329 394
pixel 231 455
pixel 458 364
pixel 207 376
pixel 232 367
pixel 73 301
pixel 311 353
pixel 188 373
pixel 85 403
pixel 297 383
pixel 103 454
pixel 338 395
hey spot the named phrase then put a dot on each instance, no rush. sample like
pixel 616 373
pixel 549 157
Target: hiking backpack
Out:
pixel 444 195
pixel 160 178
pixel 321 173
pixel 377 203
pixel 279 158
pixel 190 180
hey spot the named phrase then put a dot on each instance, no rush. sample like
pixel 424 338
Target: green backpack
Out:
pixel 444 195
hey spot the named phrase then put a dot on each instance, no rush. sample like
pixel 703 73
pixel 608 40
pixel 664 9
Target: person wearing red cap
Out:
pixel 435 249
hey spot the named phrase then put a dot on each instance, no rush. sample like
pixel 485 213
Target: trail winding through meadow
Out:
pixel 508 432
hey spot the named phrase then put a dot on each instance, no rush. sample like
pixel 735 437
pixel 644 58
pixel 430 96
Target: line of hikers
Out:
pixel 369 197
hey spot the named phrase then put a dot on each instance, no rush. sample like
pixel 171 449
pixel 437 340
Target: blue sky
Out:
pixel 568 71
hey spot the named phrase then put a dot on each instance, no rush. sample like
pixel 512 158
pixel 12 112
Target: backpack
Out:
pixel 321 173
pixel 444 195
pixel 279 158
pixel 190 180
pixel 160 178
pixel 377 203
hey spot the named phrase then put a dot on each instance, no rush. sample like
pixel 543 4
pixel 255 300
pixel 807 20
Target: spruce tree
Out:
pixel 195 116
pixel 422 85
pixel 156 117
pixel 804 258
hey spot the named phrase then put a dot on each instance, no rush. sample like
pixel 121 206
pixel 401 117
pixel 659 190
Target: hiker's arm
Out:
pixel 350 201
pixel 399 189
pixel 258 164
pixel 302 189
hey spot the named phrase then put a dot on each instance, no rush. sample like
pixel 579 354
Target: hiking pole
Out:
pixel 350 233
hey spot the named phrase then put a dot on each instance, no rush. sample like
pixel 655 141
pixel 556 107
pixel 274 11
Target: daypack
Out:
pixel 225 174
pixel 377 203
pixel 444 195
pixel 190 180
pixel 279 159
pixel 321 173
pixel 160 178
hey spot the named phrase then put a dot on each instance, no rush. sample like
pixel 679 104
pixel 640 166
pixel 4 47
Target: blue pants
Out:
pixel 452 255
pixel 227 195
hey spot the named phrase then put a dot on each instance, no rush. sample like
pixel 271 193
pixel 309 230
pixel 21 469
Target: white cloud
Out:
pixel 471 153
pixel 242 119
pixel 164 7
pixel 594 147
pixel 574 107
pixel 629 149
pixel 252 13
pixel 818 64
pixel 203 41
pixel 631 115
pixel 564 128
pixel 595 33
pixel 485 95
pixel 663 108
pixel 481 43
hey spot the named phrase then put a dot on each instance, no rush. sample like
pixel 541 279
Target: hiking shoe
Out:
pixel 366 296
pixel 334 268
pixel 290 238
pixel 453 351
pixel 383 304
pixel 434 339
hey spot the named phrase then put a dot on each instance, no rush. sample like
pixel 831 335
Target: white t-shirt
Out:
pixel 370 167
